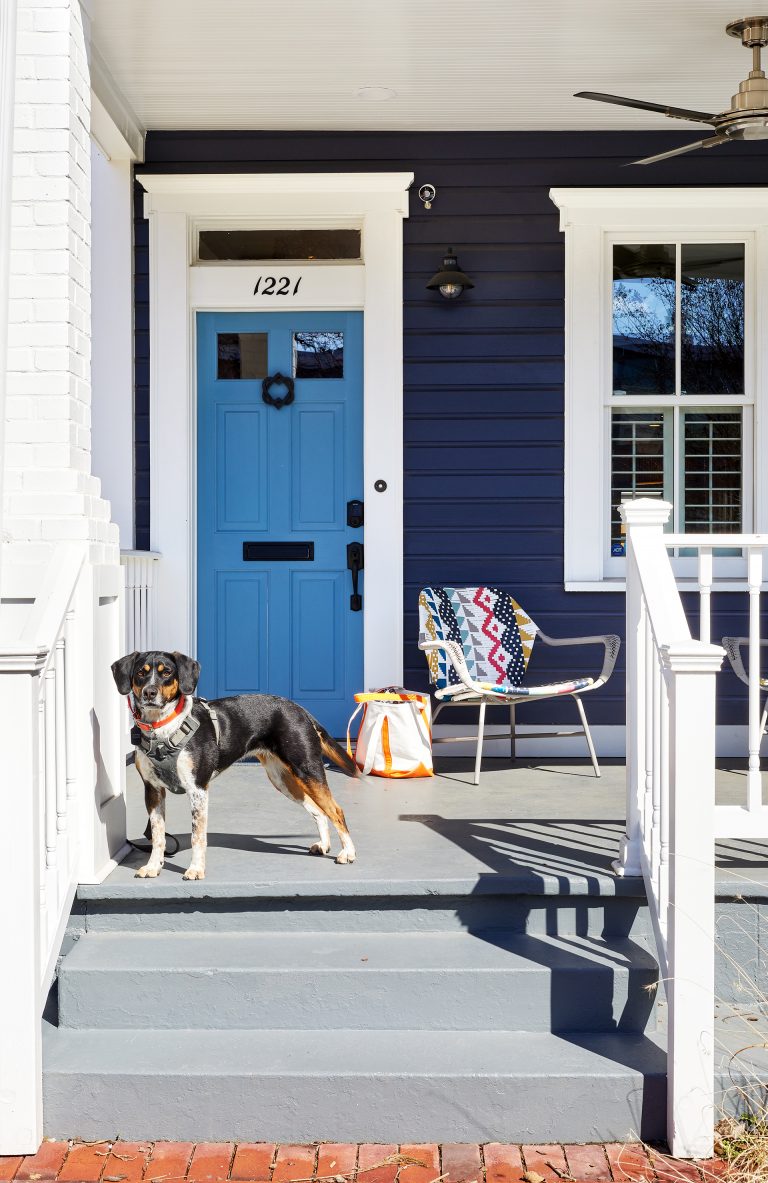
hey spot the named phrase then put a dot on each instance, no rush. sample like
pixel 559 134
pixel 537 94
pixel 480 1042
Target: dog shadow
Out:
pixel 250 844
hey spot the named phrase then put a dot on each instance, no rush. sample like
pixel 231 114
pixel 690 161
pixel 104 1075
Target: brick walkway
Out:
pixel 263 1162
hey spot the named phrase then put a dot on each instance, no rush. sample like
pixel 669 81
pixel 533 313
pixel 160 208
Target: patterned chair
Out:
pixel 478 642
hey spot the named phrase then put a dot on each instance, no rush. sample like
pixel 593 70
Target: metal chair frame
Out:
pixel 472 693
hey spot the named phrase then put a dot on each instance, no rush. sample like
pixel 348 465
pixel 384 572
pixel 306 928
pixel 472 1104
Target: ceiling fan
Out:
pixel 745 119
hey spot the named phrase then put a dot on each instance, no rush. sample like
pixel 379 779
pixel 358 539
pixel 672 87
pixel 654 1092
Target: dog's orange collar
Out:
pixel 158 722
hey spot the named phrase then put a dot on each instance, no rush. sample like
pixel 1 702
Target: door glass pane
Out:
pixel 242 246
pixel 712 318
pixel 241 355
pixel 637 463
pixel 318 355
pixel 712 472
pixel 643 319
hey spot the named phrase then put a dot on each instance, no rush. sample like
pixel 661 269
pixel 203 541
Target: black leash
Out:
pixel 146 848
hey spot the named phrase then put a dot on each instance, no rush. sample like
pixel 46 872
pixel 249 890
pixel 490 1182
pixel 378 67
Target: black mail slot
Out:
pixel 279 552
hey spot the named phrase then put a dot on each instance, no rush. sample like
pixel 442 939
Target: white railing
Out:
pixel 749 820
pixel 672 817
pixel 62 805
pixel 140 626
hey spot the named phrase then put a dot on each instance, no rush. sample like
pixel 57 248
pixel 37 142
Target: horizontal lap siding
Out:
pixel 484 375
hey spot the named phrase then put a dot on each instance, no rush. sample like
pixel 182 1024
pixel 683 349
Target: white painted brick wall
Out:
pixel 50 492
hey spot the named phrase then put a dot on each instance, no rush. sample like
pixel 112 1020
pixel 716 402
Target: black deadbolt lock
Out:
pixel 380 486
pixel 355 514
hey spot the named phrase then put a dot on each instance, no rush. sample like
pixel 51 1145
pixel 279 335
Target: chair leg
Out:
pixel 512 731
pixel 587 735
pixel 479 753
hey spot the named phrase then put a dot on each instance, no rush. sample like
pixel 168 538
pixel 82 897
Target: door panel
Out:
pixel 318 489
pixel 241 493
pixel 268 474
pixel 319 655
pixel 242 633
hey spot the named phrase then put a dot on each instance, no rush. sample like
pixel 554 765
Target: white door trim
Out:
pixel 377 204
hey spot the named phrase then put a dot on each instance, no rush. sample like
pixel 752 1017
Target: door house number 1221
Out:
pixel 276 287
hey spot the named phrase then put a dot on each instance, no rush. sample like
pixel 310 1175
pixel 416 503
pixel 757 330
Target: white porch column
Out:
pixel 7 89
pixel 112 353
pixel 50 493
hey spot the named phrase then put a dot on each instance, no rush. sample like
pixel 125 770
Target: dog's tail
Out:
pixel 335 752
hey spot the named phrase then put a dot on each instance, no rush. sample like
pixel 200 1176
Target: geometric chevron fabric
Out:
pixel 496 636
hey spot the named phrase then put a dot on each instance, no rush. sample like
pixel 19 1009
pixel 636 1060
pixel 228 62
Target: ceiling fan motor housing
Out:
pixel 753 31
pixel 752 95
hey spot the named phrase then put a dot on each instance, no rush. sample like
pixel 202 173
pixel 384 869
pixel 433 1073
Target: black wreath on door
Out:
pixel 277 380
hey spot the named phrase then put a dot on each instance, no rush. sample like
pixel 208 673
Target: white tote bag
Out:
pixel 395 736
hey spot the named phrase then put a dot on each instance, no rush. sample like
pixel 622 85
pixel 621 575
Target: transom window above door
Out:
pixel 666 361
pixel 257 246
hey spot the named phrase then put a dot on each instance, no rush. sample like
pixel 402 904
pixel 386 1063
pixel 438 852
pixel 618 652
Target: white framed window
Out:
pixel 665 296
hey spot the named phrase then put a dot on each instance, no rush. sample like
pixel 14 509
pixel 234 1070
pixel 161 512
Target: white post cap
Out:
pixel 645 511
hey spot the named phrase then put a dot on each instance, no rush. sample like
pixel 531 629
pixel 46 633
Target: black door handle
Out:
pixel 355 564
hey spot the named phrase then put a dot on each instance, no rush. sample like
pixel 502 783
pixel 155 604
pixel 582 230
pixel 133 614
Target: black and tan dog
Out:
pixel 185 742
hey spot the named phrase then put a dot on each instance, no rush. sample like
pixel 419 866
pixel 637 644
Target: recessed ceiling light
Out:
pixel 376 94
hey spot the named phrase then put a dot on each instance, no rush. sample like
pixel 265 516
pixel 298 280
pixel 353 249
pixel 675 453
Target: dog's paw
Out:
pixel 318 849
pixel 147 872
pixel 344 857
pixel 194 873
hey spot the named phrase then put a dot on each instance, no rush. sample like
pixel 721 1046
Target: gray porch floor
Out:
pixel 537 824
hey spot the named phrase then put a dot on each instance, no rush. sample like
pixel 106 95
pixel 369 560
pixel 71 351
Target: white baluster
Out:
pixel 662 888
pixel 650 674
pixel 41 717
pixel 629 860
pixel 50 766
pixel 655 827
pixel 70 706
pixel 61 738
pixel 152 628
pixel 705 593
pixel 755 582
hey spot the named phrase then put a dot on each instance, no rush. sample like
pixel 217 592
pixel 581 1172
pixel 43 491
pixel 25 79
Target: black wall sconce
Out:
pixel 450 281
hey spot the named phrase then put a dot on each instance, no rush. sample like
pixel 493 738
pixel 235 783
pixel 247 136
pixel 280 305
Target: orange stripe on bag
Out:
pixel 386 747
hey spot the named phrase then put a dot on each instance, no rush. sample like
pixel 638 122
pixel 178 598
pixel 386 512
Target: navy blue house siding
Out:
pixel 483 375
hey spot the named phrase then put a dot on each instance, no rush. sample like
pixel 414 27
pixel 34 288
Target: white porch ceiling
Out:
pixel 454 64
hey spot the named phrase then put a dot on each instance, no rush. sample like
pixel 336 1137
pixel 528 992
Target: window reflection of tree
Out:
pixel 712 335
pixel 644 336
pixel 319 355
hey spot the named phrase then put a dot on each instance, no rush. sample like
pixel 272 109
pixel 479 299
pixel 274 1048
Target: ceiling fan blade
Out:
pixel 672 112
pixel 711 142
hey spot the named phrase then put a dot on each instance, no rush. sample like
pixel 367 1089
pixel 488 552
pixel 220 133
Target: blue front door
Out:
pixel 273 487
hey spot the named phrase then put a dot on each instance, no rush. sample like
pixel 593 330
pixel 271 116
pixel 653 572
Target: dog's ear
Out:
pixel 188 671
pixel 122 671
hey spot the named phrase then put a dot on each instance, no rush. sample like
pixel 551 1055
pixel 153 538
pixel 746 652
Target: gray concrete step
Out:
pixel 388 1086
pixel 494 980
pixel 565 903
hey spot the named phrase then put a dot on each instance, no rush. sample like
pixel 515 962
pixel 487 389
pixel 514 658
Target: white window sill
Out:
pixel 686 585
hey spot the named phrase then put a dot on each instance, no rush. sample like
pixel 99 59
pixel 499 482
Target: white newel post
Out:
pixel 20 1028
pixel 645 517
pixel 691 669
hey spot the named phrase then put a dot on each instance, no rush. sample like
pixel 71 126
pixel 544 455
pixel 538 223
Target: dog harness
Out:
pixel 163 751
